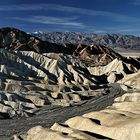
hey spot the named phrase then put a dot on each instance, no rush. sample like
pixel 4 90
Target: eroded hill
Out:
pixel 40 79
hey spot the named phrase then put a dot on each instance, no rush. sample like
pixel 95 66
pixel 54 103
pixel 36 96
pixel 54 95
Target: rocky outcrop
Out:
pixel 30 80
pixel 16 40
pixel 96 55
pixel 132 81
pixel 119 121
pixel 41 82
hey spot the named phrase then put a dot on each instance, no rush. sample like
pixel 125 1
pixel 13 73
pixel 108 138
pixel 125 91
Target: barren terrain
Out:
pixel 64 87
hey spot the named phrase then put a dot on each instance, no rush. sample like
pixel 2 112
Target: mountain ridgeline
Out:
pixel 108 40
pixel 15 40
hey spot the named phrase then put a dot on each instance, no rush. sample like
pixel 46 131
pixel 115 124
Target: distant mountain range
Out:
pixel 109 40
pixel 15 39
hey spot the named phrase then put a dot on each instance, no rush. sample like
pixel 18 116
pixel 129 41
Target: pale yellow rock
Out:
pixel 116 66
pixel 121 121
pixel 39 133
pixel 111 78
pixel 132 80
pixel 128 106
pixel 15 137
pixel 104 118
pixel 36 100
pixel 129 129
pixel 72 132
pixel 130 97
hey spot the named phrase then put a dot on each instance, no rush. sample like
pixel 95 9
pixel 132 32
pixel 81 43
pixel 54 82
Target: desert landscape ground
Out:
pixel 53 91
pixel 129 53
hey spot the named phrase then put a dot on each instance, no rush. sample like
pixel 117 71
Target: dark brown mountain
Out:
pixel 14 39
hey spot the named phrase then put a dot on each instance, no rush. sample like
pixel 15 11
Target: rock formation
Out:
pixel 42 83
pixel 119 121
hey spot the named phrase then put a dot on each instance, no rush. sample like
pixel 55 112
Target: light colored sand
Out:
pixel 129 53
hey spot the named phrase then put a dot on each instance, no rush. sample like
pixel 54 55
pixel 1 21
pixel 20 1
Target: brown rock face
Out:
pixel 98 54
pixel 15 40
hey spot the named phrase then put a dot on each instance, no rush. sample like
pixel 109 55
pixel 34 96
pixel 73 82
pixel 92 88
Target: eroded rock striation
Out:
pixel 42 81
pixel 119 121
pixel 31 80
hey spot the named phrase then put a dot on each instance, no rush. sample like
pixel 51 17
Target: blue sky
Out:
pixel 98 16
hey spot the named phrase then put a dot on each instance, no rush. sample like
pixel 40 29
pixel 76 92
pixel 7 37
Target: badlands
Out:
pixel 53 91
